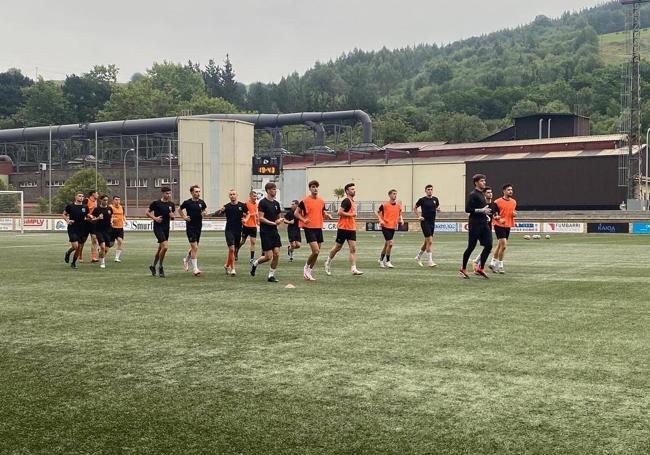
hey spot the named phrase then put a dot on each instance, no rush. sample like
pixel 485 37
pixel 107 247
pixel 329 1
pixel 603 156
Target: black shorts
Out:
pixel 105 237
pixel 343 234
pixel 481 232
pixel 388 233
pixel 161 232
pixel 118 233
pixel 249 231
pixel 76 235
pixel 428 227
pixel 294 235
pixel 233 238
pixel 270 239
pixel 502 232
pixel 193 233
pixel 313 235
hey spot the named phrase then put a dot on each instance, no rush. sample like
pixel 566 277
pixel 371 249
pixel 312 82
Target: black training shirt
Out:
pixel 234 214
pixel 105 223
pixel 429 206
pixel 77 213
pixel 194 209
pixel 163 209
pixel 476 200
pixel 293 221
pixel 271 211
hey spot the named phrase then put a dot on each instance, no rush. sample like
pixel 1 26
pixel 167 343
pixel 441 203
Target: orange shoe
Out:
pixel 464 274
pixel 482 273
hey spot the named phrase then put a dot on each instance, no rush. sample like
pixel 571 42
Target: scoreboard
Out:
pixel 266 165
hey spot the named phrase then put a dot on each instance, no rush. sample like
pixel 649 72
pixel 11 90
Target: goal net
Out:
pixel 12 211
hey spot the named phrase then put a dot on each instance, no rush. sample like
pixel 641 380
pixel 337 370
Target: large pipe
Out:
pixel 169 125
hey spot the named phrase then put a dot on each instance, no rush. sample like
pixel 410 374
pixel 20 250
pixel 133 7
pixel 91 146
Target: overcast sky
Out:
pixel 266 39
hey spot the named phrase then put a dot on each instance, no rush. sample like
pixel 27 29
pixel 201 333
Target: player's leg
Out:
pixel 352 255
pixel 472 239
pixel 338 244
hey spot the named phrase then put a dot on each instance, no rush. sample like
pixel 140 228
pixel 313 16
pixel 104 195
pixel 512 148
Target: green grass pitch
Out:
pixel 551 358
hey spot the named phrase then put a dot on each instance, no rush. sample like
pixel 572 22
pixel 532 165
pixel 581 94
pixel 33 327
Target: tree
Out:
pixel 84 181
pixel 459 127
pixel 86 95
pixel 202 104
pixel 8 202
pixel 391 127
pixel 12 82
pixel 213 79
pixel 523 107
pixel 339 193
pixel 139 99
pixel 231 91
pixel 45 104
pixel 178 82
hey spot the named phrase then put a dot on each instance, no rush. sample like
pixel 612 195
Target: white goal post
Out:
pixel 22 208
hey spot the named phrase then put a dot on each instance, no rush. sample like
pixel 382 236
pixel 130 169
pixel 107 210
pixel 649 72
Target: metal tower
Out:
pixel 631 98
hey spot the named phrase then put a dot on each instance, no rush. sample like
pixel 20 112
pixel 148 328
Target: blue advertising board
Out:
pixel 640 228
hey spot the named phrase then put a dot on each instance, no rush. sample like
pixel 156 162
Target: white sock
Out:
pixel 195 264
pixel 255 263
pixel 118 253
pixel 103 260
pixel 271 272
pixel 430 254
pixel 500 263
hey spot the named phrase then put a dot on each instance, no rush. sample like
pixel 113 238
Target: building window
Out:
pixel 140 183
pixel 162 181
pixel 113 182
pixel 28 184
pixel 56 183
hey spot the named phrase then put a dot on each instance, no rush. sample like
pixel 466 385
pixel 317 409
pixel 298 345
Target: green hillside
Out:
pixel 612 47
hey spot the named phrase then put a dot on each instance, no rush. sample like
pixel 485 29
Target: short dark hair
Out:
pixel 103 196
pixel 392 191
pixel 165 189
pixel 269 186
pixel 116 197
pixel 253 193
pixel 313 183
pixel 477 177
pixel 193 187
pixel 348 186
pixel 91 192
pixel 295 201
pixel 428 186
pixel 506 186
pixel 487 188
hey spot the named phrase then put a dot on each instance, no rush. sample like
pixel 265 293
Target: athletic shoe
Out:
pixel 476 268
pixel 186 265
pixel 381 264
pixel 482 273
pixel 304 272
pixel 389 265
pixel 493 267
pixel 152 269
pixel 118 260
pixel 161 272
pixel 197 272
pixel 253 268
pixel 227 269
pixel 102 266
pixel 308 276
pixel 233 272
pixel 94 260
pixel 463 273
pixel 357 272
pixel 328 267
pixel 73 265
pixel 272 279
pixel 431 263
pixel 250 261
pixel 290 258
pixel 419 260
pixel 501 270
pixel 67 256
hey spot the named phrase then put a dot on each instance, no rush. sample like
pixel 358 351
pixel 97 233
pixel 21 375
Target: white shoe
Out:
pixel 118 260
pixel 357 272
pixel 233 272
pixel 382 265
pixel 227 269
pixel 502 270
pixel 389 265
pixel 308 275
pixel 431 263
pixel 197 272
pixel 493 267
pixel 102 266
pixel 419 259
pixel 186 265
pixel 328 268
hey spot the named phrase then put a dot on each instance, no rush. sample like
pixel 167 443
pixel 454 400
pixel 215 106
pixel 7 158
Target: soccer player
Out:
pixel 235 213
pixel 75 216
pixel 101 216
pixel 311 213
pixel 269 211
pixel 194 208
pixel 426 209
pixel 346 231
pixel 92 203
pixel 117 223
pixel 506 208
pixel 293 229
pixel 479 225
pixel 389 215
pixel 249 231
pixel 161 211
pixel 488 198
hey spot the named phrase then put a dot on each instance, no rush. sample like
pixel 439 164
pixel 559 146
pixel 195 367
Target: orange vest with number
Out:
pixel 349 222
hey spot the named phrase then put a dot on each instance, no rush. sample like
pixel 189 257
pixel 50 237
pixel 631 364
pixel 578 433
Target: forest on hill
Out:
pixel 455 92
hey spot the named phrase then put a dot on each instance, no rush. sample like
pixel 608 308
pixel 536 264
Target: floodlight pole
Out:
pixel 137 172
pixel 96 162
pixel 49 170
pixel 647 136
pixel 126 201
